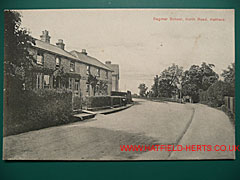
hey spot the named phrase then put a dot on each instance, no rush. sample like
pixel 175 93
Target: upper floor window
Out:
pixel 40 58
pixel 98 72
pixel 88 69
pixel 72 66
pixel 57 62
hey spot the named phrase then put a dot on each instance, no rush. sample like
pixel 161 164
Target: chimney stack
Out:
pixel 108 62
pixel 45 37
pixel 84 51
pixel 60 44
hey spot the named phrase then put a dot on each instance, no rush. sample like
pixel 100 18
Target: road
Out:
pixel 145 123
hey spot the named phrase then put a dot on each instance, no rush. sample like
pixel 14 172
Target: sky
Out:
pixel 143 42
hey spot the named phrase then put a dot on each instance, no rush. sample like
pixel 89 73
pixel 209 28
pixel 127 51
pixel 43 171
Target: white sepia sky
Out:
pixel 142 46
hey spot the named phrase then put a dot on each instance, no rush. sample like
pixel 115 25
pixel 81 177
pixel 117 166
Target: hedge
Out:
pixel 32 110
pixel 77 103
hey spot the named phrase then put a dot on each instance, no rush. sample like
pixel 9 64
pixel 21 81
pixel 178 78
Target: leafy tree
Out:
pixel 17 60
pixel 103 87
pixel 166 88
pixel 172 74
pixel 93 81
pixel 216 93
pixel 229 74
pixel 229 79
pixel 198 78
pixel 142 87
pixel 168 82
pixel 155 87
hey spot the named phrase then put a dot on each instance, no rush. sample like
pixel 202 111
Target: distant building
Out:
pixel 115 75
pixel 57 68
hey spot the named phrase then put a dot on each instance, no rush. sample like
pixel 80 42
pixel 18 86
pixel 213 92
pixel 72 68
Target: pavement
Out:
pixel 86 114
pixel 145 123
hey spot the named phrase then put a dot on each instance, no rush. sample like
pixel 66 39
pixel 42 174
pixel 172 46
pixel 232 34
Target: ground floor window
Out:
pixel 39 81
pixel 70 83
pixel 76 86
pixel 46 81
pixel 97 89
pixel 87 87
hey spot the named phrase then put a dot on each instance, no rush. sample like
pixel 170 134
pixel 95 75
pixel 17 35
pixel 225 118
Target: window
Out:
pixel 106 74
pixel 97 89
pixel 76 86
pixel 98 72
pixel 72 66
pixel 88 69
pixel 87 87
pixel 106 90
pixel 39 81
pixel 57 62
pixel 46 81
pixel 70 83
pixel 39 58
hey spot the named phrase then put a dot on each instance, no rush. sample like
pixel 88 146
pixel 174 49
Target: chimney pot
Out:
pixel 60 44
pixel 84 51
pixel 45 36
pixel 108 62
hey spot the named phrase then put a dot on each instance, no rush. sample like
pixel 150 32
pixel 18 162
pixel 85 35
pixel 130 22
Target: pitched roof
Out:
pixel 89 60
pixel 72 55
pixel 52 48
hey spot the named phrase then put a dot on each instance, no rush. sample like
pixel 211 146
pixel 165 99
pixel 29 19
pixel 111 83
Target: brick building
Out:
pixel 115 75
pixel 57 68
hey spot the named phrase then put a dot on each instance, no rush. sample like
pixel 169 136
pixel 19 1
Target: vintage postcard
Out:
pixel 119 84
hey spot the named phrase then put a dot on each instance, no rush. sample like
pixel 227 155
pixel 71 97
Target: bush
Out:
pixel 214 96
pixel 32 110
pixel 77 103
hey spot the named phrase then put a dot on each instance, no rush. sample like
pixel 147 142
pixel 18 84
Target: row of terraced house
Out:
pixel 58 68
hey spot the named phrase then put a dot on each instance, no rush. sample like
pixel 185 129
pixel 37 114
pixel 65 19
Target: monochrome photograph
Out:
pixel 119 84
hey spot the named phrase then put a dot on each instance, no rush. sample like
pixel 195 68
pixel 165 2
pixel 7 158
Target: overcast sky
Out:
pixel 142 46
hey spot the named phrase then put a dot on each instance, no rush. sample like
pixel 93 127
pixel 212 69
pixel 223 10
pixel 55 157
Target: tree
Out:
pixel 229 79
pixel 166 88
pixel 17 60
pixel 142 87
pixel 103 87
pixel 169 81
pixel 216 93
pixel 155 87
pixel 93 81
pixel 198 78
pixel 172 74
